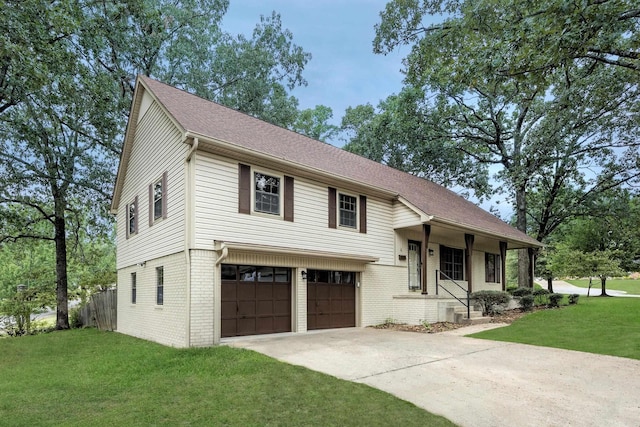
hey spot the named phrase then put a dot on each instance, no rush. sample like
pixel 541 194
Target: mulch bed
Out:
pixel 509 316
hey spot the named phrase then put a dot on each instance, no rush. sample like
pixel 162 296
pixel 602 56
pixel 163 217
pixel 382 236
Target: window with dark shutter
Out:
pixel 332 207
pixel 244 189
pixel 158 200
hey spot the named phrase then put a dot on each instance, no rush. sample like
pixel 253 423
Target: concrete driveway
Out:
pixel 471 382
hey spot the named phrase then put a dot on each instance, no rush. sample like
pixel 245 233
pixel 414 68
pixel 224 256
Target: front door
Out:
pixel 414 264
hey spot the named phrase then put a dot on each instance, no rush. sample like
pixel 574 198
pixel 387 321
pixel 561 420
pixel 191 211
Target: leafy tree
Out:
pixel 542 130
pixel 61 130
pixel 400 133
pixel 601 264
pixel 314 123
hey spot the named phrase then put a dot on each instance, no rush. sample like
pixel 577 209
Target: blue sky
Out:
pixel 343 70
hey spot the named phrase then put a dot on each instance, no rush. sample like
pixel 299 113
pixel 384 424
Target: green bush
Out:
pixel 75 320
pixel 520 292
pixel 541 296
pixel 491 301
pixel 511 288
pixel 526 302
pixel 554 300
pixel 573 299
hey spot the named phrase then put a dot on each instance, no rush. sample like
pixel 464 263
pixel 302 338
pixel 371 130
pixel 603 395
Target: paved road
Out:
pixel 472 382
pixel 562 287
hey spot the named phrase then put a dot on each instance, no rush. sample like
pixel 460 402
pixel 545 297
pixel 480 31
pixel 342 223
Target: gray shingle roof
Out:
pixel 207 118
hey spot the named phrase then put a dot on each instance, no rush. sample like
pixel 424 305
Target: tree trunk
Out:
pixel 550 284
pixel 524 262
pixel 603 284
pixel 62 309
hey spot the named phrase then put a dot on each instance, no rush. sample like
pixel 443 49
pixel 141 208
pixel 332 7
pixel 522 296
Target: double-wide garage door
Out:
pixel 331 299
pixel 255 300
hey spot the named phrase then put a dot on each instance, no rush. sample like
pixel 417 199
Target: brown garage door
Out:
pixel 331 299
pixel 255 300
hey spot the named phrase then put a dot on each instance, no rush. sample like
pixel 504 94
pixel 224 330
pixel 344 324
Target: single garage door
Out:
pixel 331 299
pixel 255 300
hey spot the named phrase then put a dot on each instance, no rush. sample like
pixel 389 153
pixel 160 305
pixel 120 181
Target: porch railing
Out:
pixel 439 285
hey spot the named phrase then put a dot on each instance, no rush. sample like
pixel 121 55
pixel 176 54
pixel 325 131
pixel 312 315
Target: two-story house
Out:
pixel 227 226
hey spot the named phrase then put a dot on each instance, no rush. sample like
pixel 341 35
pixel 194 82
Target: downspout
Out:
pixel 223 255
pixel 188 230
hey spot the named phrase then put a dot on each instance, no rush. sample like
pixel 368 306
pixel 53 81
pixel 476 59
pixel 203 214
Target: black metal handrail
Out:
pixel 438 285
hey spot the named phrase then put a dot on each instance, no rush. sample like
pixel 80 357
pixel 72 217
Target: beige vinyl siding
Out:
pixel 165 324
pixel 404 217
pixel 217 217
pixel 157 148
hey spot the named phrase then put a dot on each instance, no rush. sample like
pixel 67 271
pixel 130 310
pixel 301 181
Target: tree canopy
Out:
pixel 555 113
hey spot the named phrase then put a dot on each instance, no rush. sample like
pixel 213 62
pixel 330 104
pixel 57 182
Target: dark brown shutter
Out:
pixel 288 198
pixel 363 214
pixel 244 189
pixel 332 207
pixel 151 211
pixel 164 195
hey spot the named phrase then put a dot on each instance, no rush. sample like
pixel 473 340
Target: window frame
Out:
pixel 339 209
pixel 160 285
pixel 134 288
pixel 155 201
pixel 496 268
pixel 280 194
pixel 132 229
pixel 452 260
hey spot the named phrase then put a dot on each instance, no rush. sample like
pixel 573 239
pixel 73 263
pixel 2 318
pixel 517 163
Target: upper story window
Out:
pixel 132 217
pixel 158 200
pixel 348 211
pixel 451 263
pixel 267 193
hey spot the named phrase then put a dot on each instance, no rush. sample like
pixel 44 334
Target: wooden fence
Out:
pixel 101 310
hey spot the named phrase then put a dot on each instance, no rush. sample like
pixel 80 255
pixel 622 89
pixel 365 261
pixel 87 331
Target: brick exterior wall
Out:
pixel 202 298
pixel 165 324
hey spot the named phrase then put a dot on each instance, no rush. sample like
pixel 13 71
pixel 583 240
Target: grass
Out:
pixel 596 325
pixel 630 286
pixel 88 377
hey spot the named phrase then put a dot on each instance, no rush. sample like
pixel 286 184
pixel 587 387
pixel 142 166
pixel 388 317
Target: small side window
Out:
pixel 160 285
pixel 132 218
pixel 133 288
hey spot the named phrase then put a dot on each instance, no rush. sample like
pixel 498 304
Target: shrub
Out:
pixel 541 296
pixel 526 302
pixel 511 288
pixel 488 299
pixel 573 299
pixel 520 292
pixel 75 319
pixel 554 300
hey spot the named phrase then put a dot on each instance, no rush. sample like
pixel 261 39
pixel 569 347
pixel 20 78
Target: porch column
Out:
pixel 503 265
pixel 468 239
pixel 426 232
pixel 532 265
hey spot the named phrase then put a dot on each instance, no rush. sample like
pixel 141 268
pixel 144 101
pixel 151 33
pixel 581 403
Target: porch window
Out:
pixel 492 268
pixel 451 263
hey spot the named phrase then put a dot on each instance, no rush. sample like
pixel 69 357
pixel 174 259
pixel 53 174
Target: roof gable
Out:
pixel 202 117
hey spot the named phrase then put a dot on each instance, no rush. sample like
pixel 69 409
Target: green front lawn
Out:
pixel 630 286
pixel 92 378
pixel 595 325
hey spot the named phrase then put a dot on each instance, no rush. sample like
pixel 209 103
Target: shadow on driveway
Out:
pixel 471 382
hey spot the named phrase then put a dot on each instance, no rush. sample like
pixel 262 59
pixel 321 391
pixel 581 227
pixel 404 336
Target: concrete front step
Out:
pixel 475 316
